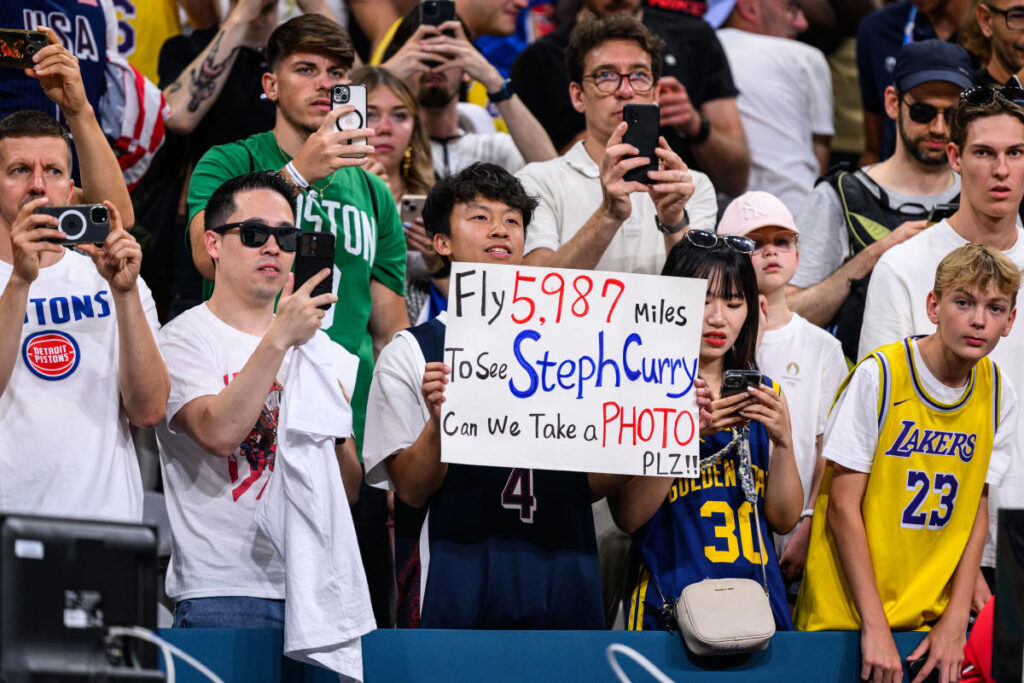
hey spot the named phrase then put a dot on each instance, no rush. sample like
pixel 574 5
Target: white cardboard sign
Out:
pixel 575 370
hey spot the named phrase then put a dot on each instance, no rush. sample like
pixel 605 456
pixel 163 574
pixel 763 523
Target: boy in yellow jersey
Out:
pixel 917 432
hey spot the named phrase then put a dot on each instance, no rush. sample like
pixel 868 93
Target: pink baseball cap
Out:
pixel 753 210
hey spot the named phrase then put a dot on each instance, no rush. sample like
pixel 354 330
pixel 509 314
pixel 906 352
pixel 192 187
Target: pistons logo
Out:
pixel 50 355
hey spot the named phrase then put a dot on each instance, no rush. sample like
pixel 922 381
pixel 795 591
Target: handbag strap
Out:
pixel 740 442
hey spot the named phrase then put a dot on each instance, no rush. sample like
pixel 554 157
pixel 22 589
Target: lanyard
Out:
pixel 908 29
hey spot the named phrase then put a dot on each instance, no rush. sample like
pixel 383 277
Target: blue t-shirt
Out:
pixel 880 37
pixel 705 529
pixel 81 27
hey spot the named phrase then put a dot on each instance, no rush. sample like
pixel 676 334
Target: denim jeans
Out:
pixel 229 612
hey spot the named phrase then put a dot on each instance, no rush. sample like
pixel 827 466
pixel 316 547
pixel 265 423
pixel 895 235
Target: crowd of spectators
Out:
pixel 836 238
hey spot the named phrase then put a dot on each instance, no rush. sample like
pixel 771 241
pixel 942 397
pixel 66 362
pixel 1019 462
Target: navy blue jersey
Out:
pixel 503 548
pixel 705 530
pixel 81 27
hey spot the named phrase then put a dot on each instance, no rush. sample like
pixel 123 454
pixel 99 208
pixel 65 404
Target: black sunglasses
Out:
pixel 255 234
pixel 980 95
pixel 920 112
pixel 709 240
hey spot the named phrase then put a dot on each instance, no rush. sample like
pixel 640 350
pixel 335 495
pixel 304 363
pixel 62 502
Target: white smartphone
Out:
pixel 355 95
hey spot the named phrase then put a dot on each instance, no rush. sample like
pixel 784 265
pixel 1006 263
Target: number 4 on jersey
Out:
pixel 518 494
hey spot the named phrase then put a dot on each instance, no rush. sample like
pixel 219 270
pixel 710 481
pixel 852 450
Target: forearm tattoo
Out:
pixel 204 79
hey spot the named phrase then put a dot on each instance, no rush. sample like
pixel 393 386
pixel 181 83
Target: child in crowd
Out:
pixel 919 430
pixel 807 361
pixel 687 530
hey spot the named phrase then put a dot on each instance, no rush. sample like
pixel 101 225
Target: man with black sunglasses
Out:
pixel 852 217
pixel 227 359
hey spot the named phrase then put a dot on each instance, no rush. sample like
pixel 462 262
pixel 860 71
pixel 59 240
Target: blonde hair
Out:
pixel 975 267
pixel 418 174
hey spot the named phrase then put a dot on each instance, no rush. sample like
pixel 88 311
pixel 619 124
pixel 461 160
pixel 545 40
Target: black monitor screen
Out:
pixel 62 584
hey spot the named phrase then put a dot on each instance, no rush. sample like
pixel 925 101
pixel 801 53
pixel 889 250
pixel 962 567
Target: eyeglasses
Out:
pixel 921 112
pixel 1014 17
pixel 980 95
pixel 255 234
pixel 709 240
pixel 608 82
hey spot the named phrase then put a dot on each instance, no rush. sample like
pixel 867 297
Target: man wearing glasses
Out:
pixel 227 358
pixel 987 148
pixel 589 216
pixel 1001 24
pixel 852 218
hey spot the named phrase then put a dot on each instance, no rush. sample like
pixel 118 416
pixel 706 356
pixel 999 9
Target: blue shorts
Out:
pixel 229 612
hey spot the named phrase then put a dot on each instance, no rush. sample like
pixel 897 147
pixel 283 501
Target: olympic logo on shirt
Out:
pixel 51 355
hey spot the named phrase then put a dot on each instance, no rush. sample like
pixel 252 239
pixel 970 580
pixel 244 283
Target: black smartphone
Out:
pixel 436 12
pixel 941 212
pixel 18 47
pixel 914 667
pixel 83 224
pixel 642 133
pixel 736 381
pixel 315 252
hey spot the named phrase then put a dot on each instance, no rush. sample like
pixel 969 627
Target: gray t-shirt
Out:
pixel 824 241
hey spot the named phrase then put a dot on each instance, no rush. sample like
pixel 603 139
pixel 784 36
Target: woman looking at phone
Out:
pixel 402 158
pixel 686 530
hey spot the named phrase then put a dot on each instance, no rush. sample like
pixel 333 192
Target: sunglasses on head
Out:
pixel 709 240
pixel 254 234
pixel 980 95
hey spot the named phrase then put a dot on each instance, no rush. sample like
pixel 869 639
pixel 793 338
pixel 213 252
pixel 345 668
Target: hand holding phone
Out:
pixel 642 133
pixel 18 47
pixel 315 252
pixel 354 95
pixel 83 224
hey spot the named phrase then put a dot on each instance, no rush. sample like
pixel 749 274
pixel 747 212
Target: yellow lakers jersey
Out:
pixel 921 499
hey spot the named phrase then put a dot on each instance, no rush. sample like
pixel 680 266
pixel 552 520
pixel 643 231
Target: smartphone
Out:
pixel 412 207
pixel 642 133
pixel 914 667
pixel 18 47
pixel 941 212
pixel 736 381
pixel 315 252
pixel 83 223
pixel 436 12
pixel 356 96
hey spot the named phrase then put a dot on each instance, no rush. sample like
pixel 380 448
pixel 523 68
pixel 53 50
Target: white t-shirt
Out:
pixel 851 435
pixel 785 99
pixel 65 447
pixel 808 363
pixel 217 548
pixel 824 239
pixel 895 308
pixel 569 191
pixel 469 148
pixel 395 410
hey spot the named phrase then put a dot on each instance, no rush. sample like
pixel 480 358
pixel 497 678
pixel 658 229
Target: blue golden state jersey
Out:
pixel 705 530
pixel 921 500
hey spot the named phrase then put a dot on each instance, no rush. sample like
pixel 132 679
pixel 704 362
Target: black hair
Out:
pixel 29 123
pixel 730 274
pixel 222 202
pixel 481 179
pixel 410 22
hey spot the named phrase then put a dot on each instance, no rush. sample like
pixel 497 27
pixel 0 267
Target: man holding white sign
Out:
pixel 501 547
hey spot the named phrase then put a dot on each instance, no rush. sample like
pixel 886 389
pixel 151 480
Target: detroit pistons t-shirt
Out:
pixel 65 447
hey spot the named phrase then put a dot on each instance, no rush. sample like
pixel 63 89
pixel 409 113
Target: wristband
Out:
pixel 506 92
pixel 703 133
pixel 296 176
pixel 809 512
pixel 666 229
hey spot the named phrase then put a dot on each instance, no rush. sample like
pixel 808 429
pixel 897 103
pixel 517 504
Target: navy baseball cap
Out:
pixel 932 60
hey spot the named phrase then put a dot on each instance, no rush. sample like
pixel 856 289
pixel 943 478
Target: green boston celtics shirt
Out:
pixel 365 223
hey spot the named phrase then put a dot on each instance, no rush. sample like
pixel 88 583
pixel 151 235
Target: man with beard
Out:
pixel 1001 41
pixel 435 61
pixel 852 218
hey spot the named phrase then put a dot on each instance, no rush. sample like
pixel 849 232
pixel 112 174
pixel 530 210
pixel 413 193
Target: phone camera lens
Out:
pixel 343 96
pixel 30 50
pixel 99 214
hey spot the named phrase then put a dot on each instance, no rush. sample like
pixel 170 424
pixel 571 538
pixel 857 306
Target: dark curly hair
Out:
pixel 481 179
pixel 590 33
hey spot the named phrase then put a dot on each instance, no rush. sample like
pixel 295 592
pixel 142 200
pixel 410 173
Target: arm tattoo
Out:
pixel 204 79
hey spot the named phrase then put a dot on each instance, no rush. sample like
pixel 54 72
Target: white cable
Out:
pixel 655 672
pixel 166 648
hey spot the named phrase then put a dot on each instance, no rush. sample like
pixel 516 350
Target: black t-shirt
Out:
pixel 692 55
pixel 238 112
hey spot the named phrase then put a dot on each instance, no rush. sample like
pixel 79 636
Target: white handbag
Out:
pixel 729 616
